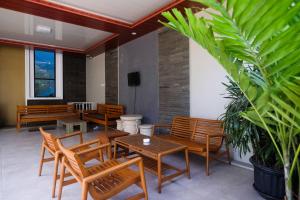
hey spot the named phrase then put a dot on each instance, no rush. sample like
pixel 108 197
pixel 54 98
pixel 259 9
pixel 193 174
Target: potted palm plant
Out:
pixel 248 137
pixel 256 35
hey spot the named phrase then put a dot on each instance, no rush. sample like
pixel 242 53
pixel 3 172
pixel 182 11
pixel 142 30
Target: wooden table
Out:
pixel 153 153
pixel 109 134
pixel 71 122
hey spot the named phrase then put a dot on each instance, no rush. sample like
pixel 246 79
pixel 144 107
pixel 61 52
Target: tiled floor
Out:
pixel 19 156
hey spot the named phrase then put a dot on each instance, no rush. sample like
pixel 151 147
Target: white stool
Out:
pixel 130 123
pixel 146 129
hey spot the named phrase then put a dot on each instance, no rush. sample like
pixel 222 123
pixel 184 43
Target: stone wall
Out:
pixel 111 76
pixel 174 94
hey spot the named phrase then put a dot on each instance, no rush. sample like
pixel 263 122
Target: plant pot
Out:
pixel 268 182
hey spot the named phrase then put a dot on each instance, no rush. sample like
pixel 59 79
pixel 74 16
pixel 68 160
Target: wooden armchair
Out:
pixel 209 134
pixel 105 179
pixel 105 114
pixel 203 137
pixel 50 144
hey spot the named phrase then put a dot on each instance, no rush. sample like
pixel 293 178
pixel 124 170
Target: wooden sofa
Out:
pixel 203 137
pixel 43 113
pixel 106 114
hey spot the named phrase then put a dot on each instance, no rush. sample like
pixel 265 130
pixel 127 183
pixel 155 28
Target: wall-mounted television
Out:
pixel 134 79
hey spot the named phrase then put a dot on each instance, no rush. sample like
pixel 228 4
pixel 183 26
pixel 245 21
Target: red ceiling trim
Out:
pixel 157 12
pixel 43 46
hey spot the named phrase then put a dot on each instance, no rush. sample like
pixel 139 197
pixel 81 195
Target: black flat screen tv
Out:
pixel 134 79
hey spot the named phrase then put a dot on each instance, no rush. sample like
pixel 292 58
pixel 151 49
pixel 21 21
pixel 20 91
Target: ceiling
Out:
pixel 22 27
pixel 116 9
pixel 84 26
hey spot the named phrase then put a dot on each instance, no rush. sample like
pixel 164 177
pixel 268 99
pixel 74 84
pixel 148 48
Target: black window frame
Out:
pixel 49 79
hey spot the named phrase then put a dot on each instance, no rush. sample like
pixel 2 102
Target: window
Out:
pixel 44 73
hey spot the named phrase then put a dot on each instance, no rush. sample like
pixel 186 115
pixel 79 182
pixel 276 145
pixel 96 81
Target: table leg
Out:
pixel 115 150
pixel 67 128
pixel 187 162
pixel 159 173
pixel 71 128
pixel 83 128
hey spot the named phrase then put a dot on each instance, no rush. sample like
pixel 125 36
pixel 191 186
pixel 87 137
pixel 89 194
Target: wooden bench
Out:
pixel 106 114
pixel 203 137
pixel 43 113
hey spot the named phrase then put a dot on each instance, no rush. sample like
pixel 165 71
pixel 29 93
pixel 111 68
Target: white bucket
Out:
pixel 146 129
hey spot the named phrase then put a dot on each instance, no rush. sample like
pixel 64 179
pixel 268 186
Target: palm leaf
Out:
pixel 261 36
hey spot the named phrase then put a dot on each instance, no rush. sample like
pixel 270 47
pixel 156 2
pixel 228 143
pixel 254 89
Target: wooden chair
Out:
pixel 209 134
pixel 43 113
pixel 105 179
pixel 106 114
pixel 50 144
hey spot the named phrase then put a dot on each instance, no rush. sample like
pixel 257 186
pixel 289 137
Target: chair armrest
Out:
pixel 71 135
pixel 109 116
pixel 107 145
pixel 89 111
pixel 123 165
pixel 79 146
pixel 215 135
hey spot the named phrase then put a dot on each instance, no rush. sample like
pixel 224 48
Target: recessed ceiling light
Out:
pixel 133 33
pixel 43 29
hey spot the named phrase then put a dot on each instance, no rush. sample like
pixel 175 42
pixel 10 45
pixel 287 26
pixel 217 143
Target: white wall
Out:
pixel 95 79
pixel 206 89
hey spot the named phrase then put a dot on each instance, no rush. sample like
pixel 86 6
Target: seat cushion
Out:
pixel 192 145
pixel 96 116
pixel 112 183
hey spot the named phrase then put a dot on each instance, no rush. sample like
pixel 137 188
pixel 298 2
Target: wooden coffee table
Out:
pixel 152 155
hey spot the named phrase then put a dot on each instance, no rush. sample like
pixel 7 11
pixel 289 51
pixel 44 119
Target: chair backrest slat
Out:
pixel 110 109
pixel 74 162
pixel 183 127
pixel 36 109
pixel 49 140
pixel 208 127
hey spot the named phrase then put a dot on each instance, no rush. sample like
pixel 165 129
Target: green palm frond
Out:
pixel 255 35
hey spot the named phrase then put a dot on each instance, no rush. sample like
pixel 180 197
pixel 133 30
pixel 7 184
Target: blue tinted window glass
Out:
pixel 44 73
pixel 44 88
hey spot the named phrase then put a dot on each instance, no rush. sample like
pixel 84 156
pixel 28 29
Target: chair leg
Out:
pixel 207 156
pixel 207 164
pixel 143 180
pixel 42 159
pixel 18 126
pixel 84 191
pixel 55 174
pixel 61 180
